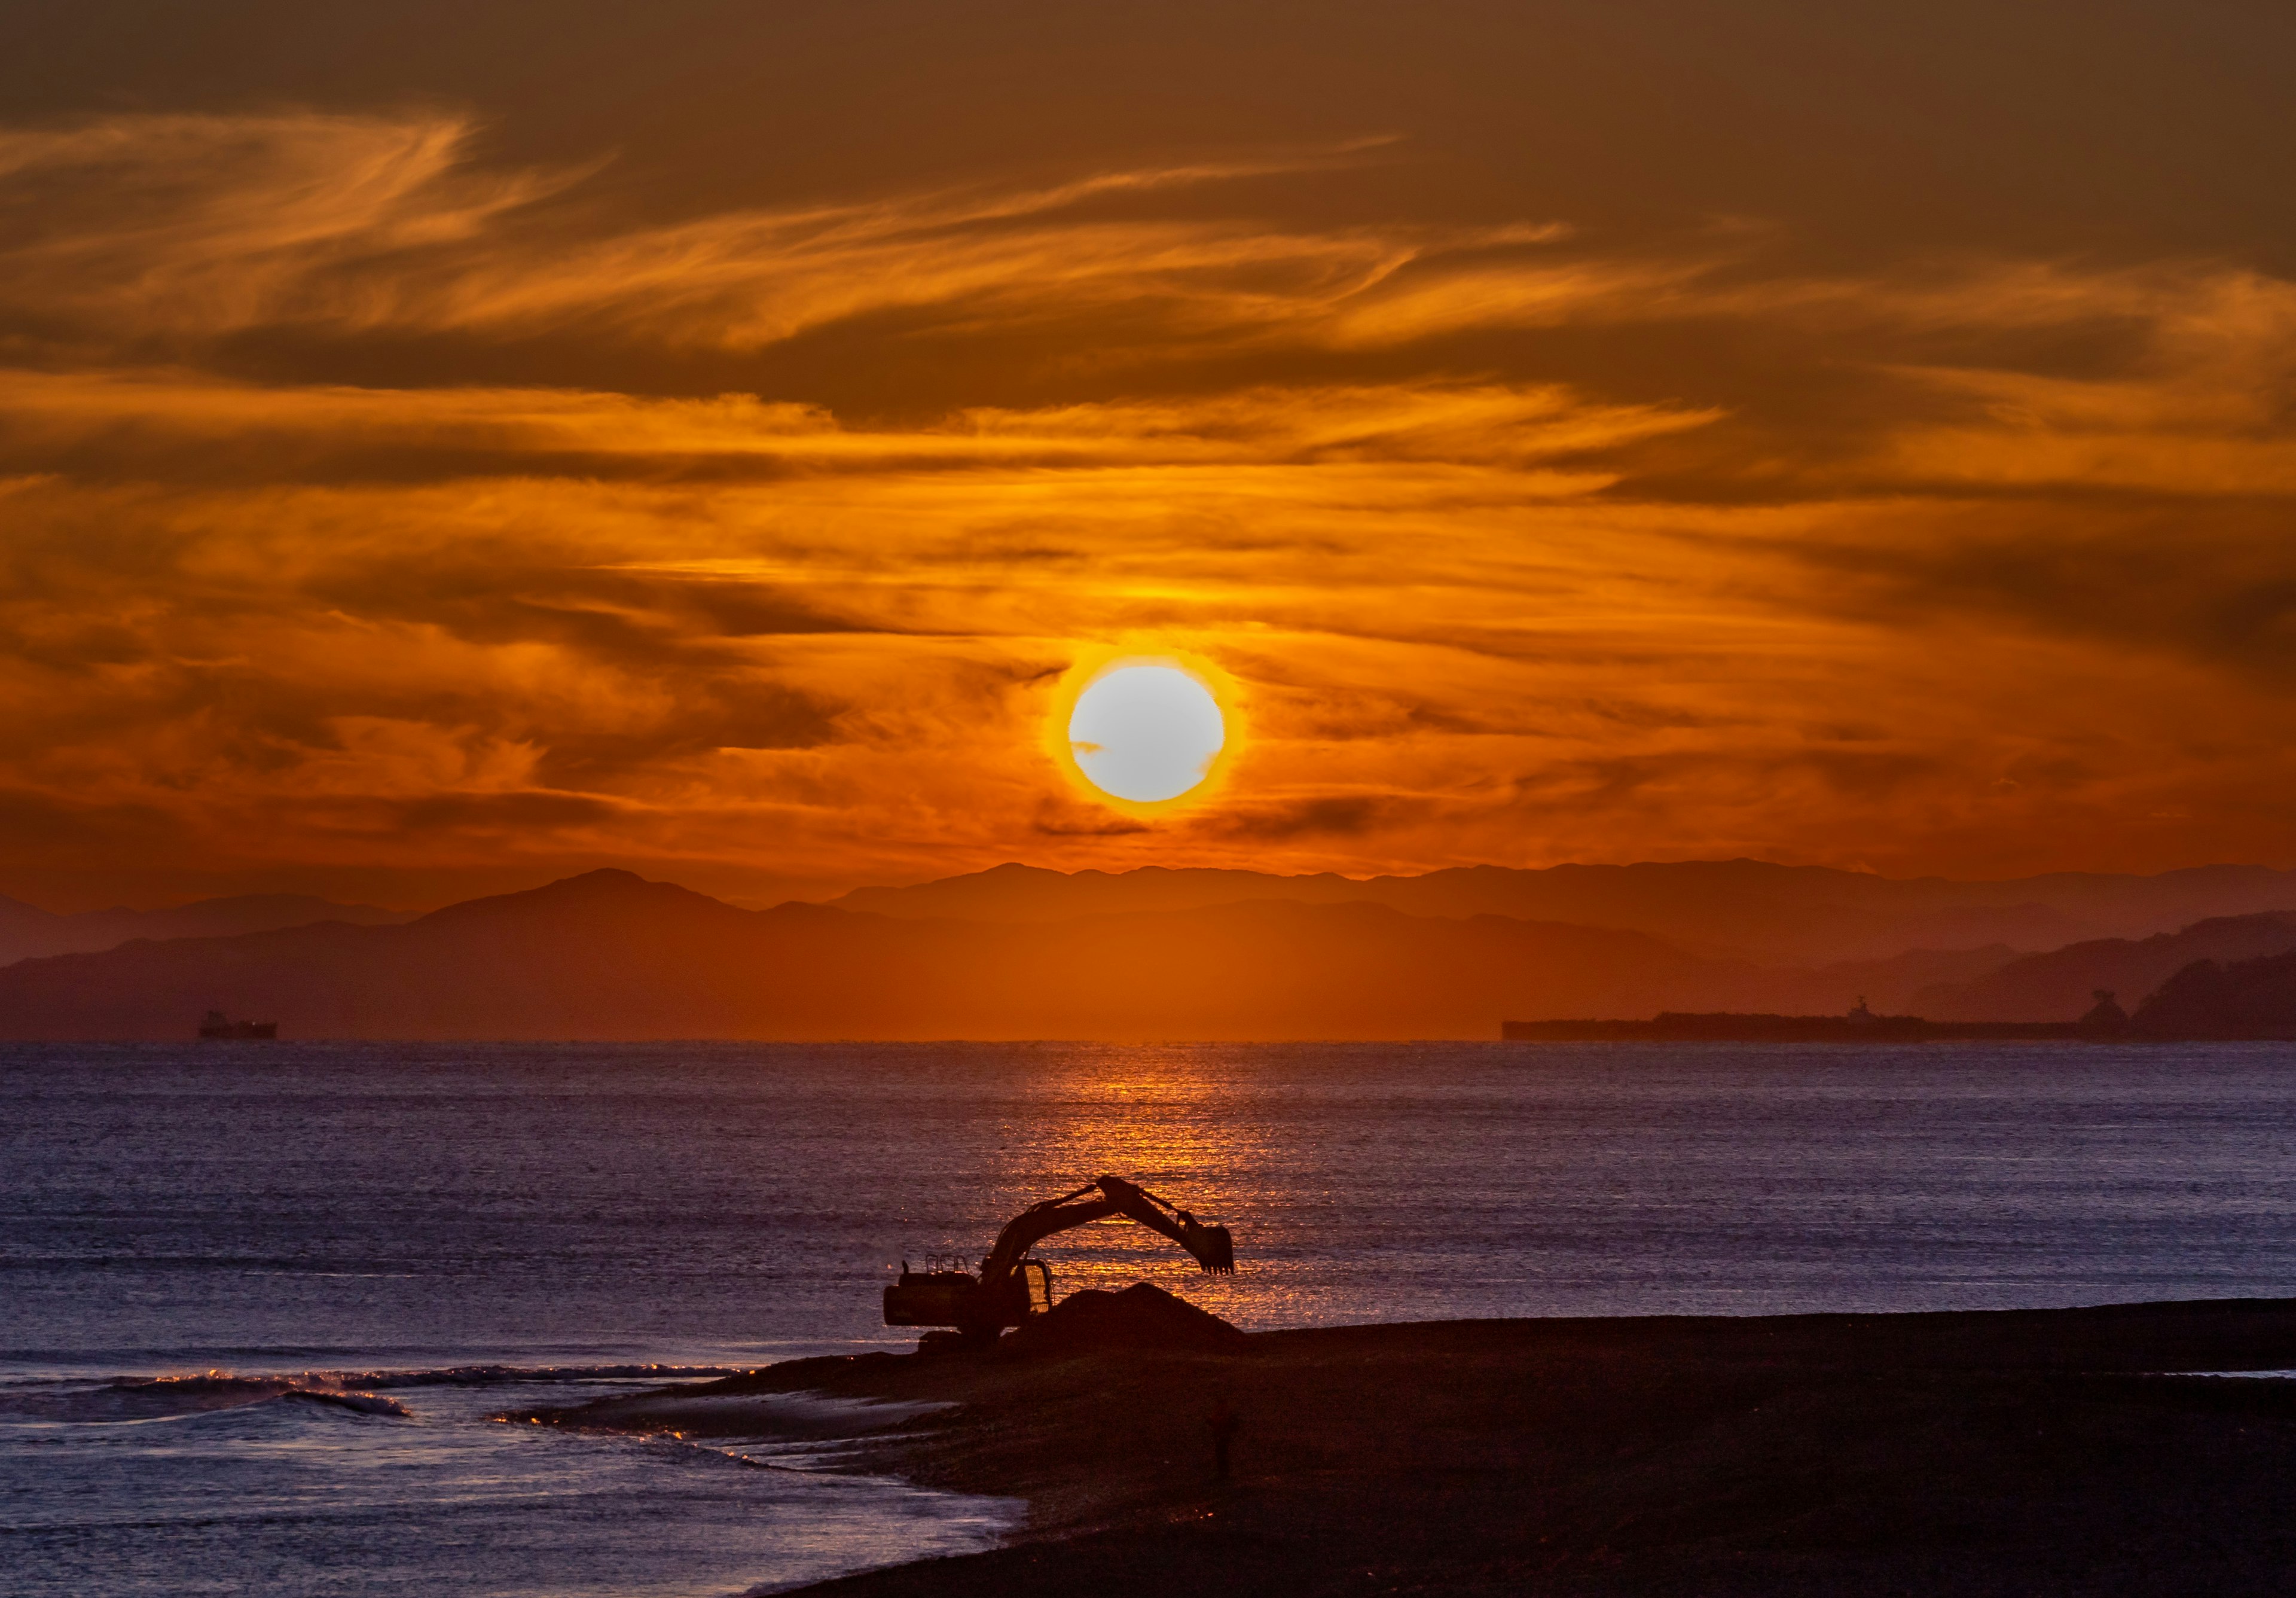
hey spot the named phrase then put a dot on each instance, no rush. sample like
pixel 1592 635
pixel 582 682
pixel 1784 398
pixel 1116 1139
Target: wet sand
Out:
pixel 2027 1452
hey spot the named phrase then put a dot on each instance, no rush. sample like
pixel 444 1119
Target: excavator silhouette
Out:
pixel 981 1306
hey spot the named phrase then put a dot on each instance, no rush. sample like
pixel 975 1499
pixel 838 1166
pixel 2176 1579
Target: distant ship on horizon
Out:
pixel 219 1026
pixel 2105 1023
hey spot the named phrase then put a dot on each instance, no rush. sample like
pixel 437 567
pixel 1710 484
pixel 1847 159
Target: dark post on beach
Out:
pixel 1222 1424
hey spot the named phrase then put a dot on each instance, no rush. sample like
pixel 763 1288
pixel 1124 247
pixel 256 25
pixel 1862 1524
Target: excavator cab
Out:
pixel 956 1298
pixel 945 1294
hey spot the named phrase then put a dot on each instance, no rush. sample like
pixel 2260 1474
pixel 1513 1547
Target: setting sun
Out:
pixel 1146 732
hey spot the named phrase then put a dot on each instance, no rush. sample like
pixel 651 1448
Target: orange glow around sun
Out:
pixel 1145 733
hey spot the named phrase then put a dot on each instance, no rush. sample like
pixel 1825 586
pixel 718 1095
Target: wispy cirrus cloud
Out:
pixel 2206 403
pixel 1487 596
pixel 138 422
pixel 205 226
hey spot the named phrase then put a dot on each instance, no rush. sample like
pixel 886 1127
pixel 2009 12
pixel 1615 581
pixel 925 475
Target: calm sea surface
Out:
pixel 256 1302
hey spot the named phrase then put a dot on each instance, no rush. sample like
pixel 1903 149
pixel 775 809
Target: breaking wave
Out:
pixel 479 1376
pixel 128 1399
pixel 164 1398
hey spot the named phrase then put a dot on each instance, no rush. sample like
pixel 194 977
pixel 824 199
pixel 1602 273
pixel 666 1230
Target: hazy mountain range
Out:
pixel 1020 954
pixel 27 931
pixel 2211 998
pixel 2059 984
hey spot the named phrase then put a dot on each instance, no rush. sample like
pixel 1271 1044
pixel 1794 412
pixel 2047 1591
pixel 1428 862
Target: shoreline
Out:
pixel 1985 1450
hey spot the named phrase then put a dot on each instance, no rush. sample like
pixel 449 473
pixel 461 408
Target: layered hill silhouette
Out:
pixel 2038 987
pixel 2213 999
pixel 611 956
pixel 1739 908
pixel 27 932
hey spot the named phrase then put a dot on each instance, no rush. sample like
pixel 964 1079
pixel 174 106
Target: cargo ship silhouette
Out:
pixel 2106 1023
pixel 219 1026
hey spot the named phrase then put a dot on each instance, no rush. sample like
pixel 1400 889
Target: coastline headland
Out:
pixel 1983 1453
pixel 1674 1026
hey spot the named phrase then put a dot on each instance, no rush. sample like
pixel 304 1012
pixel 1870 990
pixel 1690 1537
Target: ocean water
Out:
pixel 257 1302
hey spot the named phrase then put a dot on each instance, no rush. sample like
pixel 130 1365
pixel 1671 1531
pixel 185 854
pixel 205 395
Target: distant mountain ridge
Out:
pixel 1738 909
pixel 609 955
pixel 2050 987
pixel 27 932
pixel 2229 1000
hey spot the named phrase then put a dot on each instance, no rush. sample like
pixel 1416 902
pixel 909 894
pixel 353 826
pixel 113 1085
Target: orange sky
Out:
pixel 459 446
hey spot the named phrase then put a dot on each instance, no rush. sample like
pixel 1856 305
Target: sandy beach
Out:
pixel 2021 1451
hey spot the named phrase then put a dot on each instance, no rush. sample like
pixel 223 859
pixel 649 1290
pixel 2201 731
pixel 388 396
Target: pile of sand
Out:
pixel 1140 1316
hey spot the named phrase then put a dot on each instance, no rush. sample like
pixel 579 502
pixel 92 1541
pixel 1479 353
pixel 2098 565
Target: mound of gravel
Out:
pixel 1140 1316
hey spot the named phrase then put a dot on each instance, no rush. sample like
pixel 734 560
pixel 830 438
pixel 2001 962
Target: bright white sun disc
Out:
pixel 1146 733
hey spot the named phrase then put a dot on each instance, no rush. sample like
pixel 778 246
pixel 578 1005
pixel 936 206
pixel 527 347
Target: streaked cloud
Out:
pixel 2019 599
pixel 194 226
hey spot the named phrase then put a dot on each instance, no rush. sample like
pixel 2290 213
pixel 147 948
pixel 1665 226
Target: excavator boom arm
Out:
pixel 1032 1226
pixel 1211 1246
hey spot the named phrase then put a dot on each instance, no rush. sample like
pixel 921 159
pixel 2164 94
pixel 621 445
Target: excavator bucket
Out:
pixel 1212 1246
